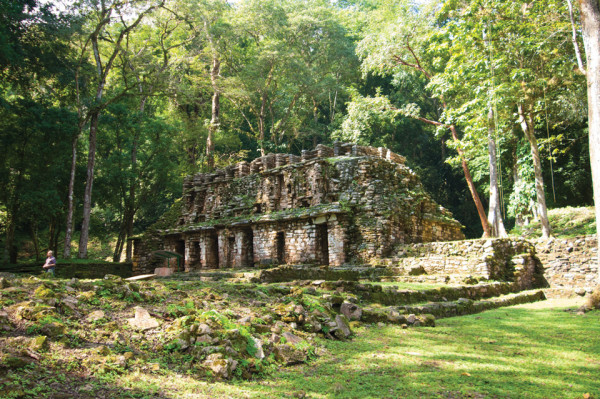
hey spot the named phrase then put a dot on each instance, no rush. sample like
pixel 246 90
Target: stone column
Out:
pixel 337 257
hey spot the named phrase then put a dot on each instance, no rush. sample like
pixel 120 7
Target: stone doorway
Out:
pixel 280 242
pixel 322 244
pixel 247 247
pixel 212 250
pixel 180 247
pixel 196 255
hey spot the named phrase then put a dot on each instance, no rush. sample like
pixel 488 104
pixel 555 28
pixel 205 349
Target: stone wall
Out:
pixel 496 259
pixel 570 263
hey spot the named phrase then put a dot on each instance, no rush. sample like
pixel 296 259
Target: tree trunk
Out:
pixel 527 127
pixel 261 124
pixel 87 196
pixel 54 246
pixel 35 239
pixel 519 219
pixel 480 210
pixel 120 240
pixel 494 214
pixel 130 205
pixel 590 18
pixel 52 235
pixel 216 108
pixel 69 229
pixel 9 252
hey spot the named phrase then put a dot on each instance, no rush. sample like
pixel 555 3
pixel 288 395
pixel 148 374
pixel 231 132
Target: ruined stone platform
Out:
pixel 345 204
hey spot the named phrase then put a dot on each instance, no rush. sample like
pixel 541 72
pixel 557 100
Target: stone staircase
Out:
pixel 420 283
pixel 397 305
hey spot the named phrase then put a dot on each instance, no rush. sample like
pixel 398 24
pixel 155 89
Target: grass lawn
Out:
pixel 528 351
pixel 565 222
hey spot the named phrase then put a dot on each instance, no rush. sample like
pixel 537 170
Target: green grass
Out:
pixel 520 352
pixel 528 351
pixel 565 222
pixel 507 353
pixel 409 286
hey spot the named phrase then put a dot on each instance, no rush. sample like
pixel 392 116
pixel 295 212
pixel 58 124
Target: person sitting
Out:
pixel 50 264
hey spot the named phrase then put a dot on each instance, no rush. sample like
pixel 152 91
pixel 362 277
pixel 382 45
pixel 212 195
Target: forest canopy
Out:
pixel 107 104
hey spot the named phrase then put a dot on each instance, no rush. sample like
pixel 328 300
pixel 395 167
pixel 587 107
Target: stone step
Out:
pixel 424 314
pixel 396 296
pixel 312 272
pixel 430 278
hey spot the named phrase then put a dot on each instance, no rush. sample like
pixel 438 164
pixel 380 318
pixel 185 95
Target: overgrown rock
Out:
pixel 5 323
pixel 220 366
pixel 288 355
pixel 53 329
pixel 142 320
pixel 351 311
pixel 95 316
pixel 343 329
pixel 40 343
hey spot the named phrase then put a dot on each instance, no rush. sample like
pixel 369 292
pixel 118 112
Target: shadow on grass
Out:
pixel 505 353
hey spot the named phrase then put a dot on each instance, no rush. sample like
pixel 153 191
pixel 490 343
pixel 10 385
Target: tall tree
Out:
pixel 398 39
pixel 106 42
pixel 590 18
pixel 517 54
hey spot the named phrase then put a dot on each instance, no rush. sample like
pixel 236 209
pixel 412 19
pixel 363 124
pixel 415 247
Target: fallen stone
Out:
pixel 289 355
pixel 142 320
pixel 206 339
pixel 163 272
pixel 275 338
pixel 260 353
pixel 220 366
pixel 343 330
pixel 4 283
pixel 291 338
pixel 351 311
pixel 39 343
pixel 53 329
pixel 5 323
pixel 70 303
pixel 95 316
pixel 14 362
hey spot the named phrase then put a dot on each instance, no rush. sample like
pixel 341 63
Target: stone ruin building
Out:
pixel 329 206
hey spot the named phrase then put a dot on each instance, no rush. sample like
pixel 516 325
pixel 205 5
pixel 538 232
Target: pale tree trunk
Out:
pixel 69 230
pixel 130 213
pixel 261 124
pixel 519 218
pixel 527 127
pixel 216 108
pixel 494 213
pixel 590 18
pixel 87 196
pixel 70 196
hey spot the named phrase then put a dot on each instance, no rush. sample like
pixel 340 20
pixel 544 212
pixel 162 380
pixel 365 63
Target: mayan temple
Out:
pixel 330 206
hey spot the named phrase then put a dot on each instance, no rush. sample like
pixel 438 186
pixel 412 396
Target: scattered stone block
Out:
pixel 95 316
pixel 142 320
pixel 163 272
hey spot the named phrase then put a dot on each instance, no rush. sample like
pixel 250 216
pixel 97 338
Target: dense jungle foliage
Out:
pixel 107 104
